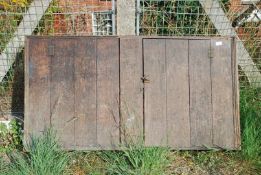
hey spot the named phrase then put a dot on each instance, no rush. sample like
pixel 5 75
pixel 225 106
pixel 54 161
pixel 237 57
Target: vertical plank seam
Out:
pixel 236 102
pixel 74 82
pixel 234 95
pixel 237 98
pixel 211 86
pixel 120 117
pixel 28 61
pixel 140 113
pixel 26 97
pixel 190 142
pixel 166 99
pixel 96 98
pixel 189 93
pixel 50 87
pixel 143 92
pixel 233 88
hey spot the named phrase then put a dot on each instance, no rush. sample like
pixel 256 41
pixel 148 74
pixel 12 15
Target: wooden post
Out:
pixel 26 27
pixel 224 27
pixel 126 17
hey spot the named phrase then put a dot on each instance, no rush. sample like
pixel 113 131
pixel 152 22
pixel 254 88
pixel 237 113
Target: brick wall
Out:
pixel 80 22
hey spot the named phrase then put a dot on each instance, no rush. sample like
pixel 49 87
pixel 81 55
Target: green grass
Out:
pixel 43 156
pixel 3 166
pixel 130 160
pixel 248 160
pixel 250 111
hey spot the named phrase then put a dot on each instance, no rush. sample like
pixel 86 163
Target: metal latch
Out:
pixel 145 79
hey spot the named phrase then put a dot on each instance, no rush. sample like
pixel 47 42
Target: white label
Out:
pixel 219 43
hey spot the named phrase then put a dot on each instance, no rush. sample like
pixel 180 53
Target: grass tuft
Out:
pixel 137 159
pixel 43 157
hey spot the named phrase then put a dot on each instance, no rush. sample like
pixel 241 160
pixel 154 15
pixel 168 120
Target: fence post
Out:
pixel 126 13
pixel 224 28
pixel 28 24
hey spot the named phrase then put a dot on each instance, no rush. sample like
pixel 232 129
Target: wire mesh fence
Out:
pixel 209 18
pixel 19 18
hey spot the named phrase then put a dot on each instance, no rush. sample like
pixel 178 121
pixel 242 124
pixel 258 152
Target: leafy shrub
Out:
pixel 10 138
pixel 11 4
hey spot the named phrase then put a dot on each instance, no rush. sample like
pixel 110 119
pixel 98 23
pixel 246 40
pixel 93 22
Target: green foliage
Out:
pixel 136 159
pixel 250 110
pixel 10 138
pixel 9 23
pixel 43 157
pixel 46 24
pixel 12 4
pixel 175 18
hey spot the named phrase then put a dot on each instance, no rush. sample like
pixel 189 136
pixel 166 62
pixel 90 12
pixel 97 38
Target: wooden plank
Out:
pixel 29 22
pixel 236 108
pixel 200 93
pixel 37 85
pixel 85 93
pixel 108 92
pixel 62 90
pixel 27 128
pixel 155 92
pixel 177 94
pixel 131 88
pixel 218 17
pixel 222 94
